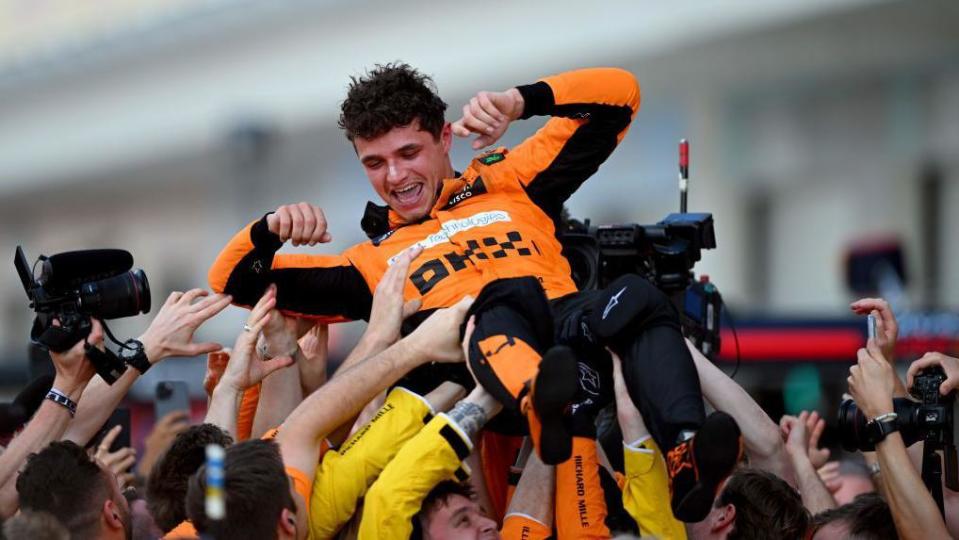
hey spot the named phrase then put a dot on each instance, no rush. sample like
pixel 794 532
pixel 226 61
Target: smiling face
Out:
pixel 460 518
pixel 406 166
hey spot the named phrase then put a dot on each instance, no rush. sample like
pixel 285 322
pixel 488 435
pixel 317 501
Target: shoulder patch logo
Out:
pixel 490 159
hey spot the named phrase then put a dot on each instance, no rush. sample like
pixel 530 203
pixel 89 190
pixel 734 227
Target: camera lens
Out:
pixel 852 425
pixel 120 296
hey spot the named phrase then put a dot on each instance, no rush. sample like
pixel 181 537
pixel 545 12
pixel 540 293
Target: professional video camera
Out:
pixel 76 286
pixel 664 253
pixel 931 419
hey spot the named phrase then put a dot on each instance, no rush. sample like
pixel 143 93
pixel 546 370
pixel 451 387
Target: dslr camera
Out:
pixel 77 286
pixel 931 419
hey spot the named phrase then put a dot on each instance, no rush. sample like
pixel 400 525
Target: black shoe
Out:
pixel 699 465
pixel 552 392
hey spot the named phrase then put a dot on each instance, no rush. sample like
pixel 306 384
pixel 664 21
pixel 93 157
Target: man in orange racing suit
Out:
pixel 490 232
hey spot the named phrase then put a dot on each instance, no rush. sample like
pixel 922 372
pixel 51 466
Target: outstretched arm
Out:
pixel 169 334
pixel 437 339
pixel 761 436
pixel 871 383
pixel 73 372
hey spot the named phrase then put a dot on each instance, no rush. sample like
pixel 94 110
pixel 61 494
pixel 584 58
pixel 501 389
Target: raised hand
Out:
pixel 948 364
pixel 118 462
pixel 871 381
pixel 302 223
pixel 488 114
pixel 438 337
pixel 243 370
pixel 887 329
pixel 160 438
pixel 389 309
pixel 171 331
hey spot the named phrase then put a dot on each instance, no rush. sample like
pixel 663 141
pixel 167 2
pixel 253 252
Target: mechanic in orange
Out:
pixel 490 231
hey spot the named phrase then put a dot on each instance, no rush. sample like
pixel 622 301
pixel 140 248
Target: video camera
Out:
pixel 931 419
pixel 664 253
pixel 77 286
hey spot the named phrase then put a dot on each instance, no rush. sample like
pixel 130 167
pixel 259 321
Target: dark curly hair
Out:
pixel 64 481
pixel 389 96
pixel 167 484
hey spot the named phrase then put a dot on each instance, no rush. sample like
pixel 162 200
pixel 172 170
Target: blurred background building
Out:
pixel 162 127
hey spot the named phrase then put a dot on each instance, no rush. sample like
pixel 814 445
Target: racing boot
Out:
pixel 700 463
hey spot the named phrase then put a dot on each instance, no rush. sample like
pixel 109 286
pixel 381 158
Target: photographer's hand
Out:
pixel 887 331
pixel 488 114
pixel 171 331
pixel 949 365
pixel 303 223
pixel 73 372
pixel 73 369
pixel 871 382
pixel 169 334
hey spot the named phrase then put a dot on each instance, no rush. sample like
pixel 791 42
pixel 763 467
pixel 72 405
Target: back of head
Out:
pixel 256 490
pixel 167 484
pixel 63 481
pixel 36 526
pixel 867 517
pixel 766 506
pixel 390 96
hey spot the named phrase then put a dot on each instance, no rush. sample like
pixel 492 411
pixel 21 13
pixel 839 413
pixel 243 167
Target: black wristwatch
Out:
pixel 880 427
pixel 135 356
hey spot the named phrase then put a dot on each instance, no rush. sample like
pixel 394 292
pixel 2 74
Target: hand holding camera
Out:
pixel 948 364
pixel 73 369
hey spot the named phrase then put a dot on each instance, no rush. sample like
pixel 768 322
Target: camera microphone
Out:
pixel 72 268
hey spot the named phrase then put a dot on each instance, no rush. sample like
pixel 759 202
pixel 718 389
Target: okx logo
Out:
pixel 433 271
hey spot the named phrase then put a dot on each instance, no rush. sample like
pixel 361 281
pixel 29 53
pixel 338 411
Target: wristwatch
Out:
pixel 133 354
pixel 880 427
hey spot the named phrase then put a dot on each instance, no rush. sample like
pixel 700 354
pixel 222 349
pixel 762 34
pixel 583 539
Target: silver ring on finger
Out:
pixel 246 328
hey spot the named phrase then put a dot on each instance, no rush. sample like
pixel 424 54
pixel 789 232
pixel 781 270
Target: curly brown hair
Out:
pixel 388 96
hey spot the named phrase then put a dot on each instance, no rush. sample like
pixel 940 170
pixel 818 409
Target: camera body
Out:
pixel 77 286
pixel 930 419
pixel 664 253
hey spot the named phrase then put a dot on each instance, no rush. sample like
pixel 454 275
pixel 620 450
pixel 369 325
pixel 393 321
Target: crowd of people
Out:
pixel 487 397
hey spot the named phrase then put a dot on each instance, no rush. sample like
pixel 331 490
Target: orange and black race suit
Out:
pixel 495 220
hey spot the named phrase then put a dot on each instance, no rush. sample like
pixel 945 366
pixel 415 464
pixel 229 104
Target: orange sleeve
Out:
pixel 324 287
pixel 522 527
pixel 592 110
pixel 301 484
pixel 580 504
pixel 244 417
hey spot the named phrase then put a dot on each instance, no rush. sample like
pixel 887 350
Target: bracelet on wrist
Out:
pixel 63 400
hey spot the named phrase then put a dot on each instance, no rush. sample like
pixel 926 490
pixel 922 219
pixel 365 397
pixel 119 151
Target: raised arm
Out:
pixel 169 334
pixel 815 497
pixel 437 339
pixel 327 287
pixel 591 110
pixel 871 383
pixel 761 435
pixel 73 372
